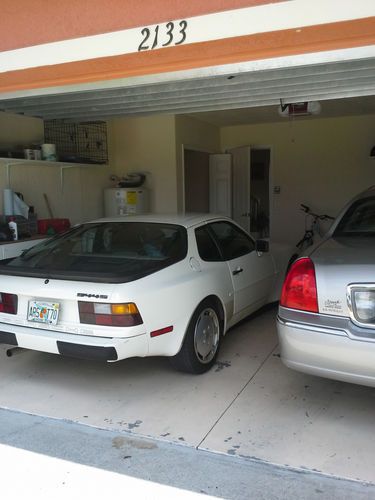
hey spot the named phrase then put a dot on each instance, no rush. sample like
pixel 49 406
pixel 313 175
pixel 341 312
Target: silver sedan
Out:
pixel 326 319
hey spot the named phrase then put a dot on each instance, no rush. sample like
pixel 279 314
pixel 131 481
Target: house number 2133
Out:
pixel 163 35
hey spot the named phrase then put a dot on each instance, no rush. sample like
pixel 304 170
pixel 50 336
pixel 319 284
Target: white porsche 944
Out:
pixel 117 288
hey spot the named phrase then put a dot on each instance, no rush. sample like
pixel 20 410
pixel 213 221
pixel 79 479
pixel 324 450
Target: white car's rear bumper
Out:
pixel 78 346
pixel 327 352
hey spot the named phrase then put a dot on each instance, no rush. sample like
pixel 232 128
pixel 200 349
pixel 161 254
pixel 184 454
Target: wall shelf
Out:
pixel 8 163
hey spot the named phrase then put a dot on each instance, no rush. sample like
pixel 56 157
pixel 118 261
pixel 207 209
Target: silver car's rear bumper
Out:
pixel 328 351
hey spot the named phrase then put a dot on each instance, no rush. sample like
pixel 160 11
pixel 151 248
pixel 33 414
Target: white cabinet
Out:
pixel 9 250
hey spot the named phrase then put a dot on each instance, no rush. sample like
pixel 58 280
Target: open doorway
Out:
pixel 251 189
pixel 260 191
pixel 235 184
pixel 196 181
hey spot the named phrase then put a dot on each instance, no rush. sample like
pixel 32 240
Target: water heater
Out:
pixel 125 201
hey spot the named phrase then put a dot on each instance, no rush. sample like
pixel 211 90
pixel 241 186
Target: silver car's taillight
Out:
pixel 361 301
pixel 364 305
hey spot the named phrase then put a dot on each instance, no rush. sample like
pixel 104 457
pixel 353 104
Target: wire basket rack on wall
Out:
pixel 78 142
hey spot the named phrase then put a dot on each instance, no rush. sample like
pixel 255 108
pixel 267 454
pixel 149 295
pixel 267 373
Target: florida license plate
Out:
pixel 43 312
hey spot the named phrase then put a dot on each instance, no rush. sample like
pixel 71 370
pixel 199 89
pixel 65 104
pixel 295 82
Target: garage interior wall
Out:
pixel 80 199
pixel 147 144
pixel 321 163
pixel 136 144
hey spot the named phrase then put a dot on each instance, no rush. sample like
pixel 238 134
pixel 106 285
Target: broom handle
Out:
pixel 48 205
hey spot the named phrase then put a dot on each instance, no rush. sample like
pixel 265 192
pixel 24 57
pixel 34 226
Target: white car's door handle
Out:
pixel 238 270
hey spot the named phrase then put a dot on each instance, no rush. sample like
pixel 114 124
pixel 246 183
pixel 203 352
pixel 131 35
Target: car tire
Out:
pixel 202 339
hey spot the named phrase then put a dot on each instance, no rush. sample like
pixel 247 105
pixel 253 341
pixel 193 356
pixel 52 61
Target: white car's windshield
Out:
pixel 109 251
pixel 359 219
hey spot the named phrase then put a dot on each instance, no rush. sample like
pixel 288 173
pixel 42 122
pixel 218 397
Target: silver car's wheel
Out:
pixel 202 340
pixel 206 335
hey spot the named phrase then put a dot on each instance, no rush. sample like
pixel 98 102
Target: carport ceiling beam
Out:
pixel 249 93
pixel 93 115
pixel 251 89
pixel 291 86
pixel 263 78
pixel 216 102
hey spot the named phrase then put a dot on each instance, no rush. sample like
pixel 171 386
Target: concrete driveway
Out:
pixel 248 405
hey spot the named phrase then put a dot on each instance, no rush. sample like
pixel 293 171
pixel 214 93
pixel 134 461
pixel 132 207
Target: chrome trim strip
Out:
pixel 314 328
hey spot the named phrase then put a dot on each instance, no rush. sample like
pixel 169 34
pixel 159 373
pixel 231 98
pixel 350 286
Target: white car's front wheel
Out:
pixel 202 340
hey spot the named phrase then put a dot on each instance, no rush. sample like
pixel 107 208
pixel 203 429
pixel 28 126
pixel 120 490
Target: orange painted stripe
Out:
pixel 325 37
pixel 24 23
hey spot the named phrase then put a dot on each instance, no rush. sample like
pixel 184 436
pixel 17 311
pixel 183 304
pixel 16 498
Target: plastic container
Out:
pixel 13 229
pixel 49 152
pixel 33 223
pixel 53 226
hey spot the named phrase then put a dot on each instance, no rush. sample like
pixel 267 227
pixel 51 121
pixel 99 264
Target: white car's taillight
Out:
pixel 299 288
pixel 8 303
pixel 97 313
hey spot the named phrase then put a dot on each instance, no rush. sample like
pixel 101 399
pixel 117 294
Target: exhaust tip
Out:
pixel 14 350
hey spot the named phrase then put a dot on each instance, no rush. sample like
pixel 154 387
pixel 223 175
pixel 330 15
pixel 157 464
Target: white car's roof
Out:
pixel 186 220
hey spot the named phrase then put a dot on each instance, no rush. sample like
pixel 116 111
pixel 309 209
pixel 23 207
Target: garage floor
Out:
pixel 248 405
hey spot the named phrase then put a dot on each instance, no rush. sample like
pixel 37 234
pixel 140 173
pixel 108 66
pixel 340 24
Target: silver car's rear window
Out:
pixel 104 251
pixel 359 219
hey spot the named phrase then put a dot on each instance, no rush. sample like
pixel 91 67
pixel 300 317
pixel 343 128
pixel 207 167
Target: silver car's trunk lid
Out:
pixel 340 262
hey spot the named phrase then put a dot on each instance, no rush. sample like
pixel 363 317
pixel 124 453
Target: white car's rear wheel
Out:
pixel 206 335
pixel 202 340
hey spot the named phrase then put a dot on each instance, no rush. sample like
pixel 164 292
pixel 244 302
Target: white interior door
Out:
pixel 221 184
pixel 241 159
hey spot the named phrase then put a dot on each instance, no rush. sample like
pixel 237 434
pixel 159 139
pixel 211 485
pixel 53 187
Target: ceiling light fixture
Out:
pixel 303 108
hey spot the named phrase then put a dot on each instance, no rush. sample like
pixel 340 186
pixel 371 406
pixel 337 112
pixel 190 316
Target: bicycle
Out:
pixel 308 238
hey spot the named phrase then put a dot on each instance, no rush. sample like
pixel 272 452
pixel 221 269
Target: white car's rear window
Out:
pixel 359 219
pixel 107 251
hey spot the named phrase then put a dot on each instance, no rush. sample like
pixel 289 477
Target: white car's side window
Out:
pixel 232 241
pixel 207 247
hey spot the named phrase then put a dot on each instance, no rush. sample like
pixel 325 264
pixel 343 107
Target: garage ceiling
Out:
pixel 252 89
pixel 269 114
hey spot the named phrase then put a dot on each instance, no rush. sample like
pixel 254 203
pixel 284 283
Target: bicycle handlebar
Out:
pixel 307 210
